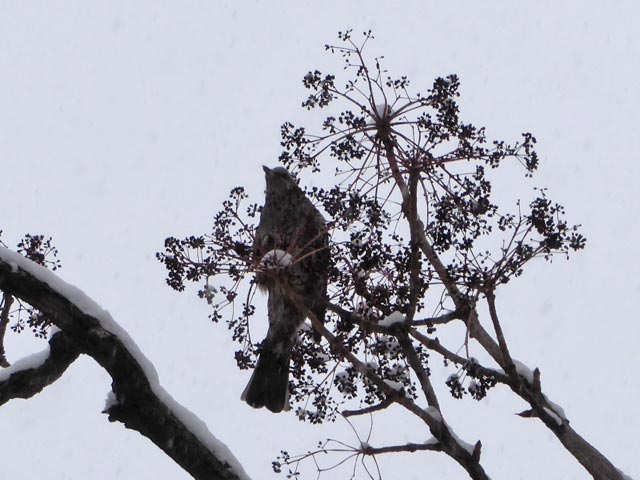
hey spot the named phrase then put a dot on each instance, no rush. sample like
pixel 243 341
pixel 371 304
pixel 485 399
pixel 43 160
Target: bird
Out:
pixel 290 244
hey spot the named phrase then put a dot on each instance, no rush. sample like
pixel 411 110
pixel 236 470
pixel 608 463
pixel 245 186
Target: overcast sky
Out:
pixel 124 122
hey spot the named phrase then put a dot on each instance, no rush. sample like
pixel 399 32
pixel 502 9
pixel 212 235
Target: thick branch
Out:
pixel 28 382
pixel 589 457
pixel 7 301
pixel 136 403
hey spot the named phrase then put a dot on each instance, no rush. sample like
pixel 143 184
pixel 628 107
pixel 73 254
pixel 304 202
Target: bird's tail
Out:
pixel 269 384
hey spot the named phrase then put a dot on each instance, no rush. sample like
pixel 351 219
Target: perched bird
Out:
pixel 291 244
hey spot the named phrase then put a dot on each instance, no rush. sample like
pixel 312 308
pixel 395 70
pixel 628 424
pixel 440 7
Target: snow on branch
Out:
pixel 138 401
pixel 30 375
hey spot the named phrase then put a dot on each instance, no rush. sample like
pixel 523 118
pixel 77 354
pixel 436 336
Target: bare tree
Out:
pixel 418 244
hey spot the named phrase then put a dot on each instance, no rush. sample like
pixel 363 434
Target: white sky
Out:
pixel 123 123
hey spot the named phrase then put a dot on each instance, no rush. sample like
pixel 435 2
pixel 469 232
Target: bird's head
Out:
pixel 278 180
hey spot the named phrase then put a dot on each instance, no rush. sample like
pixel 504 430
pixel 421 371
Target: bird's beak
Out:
pixel 266 169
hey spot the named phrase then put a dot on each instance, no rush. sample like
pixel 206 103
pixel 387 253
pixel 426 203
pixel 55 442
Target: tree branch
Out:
pixel 476 330
pixel 508 364
pixel 591 459
pixel 408 447
pixel 365 411
pixel 7 301
pixel 439 320
pixel 418 368
pixel 466 457
pixel 137 404
pixel 28 382
pixel 436 346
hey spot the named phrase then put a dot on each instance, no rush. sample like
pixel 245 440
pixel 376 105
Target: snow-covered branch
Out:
pixel 138 400
pixel 29 376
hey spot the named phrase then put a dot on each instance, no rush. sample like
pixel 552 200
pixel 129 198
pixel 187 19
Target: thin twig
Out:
pixel 436 346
